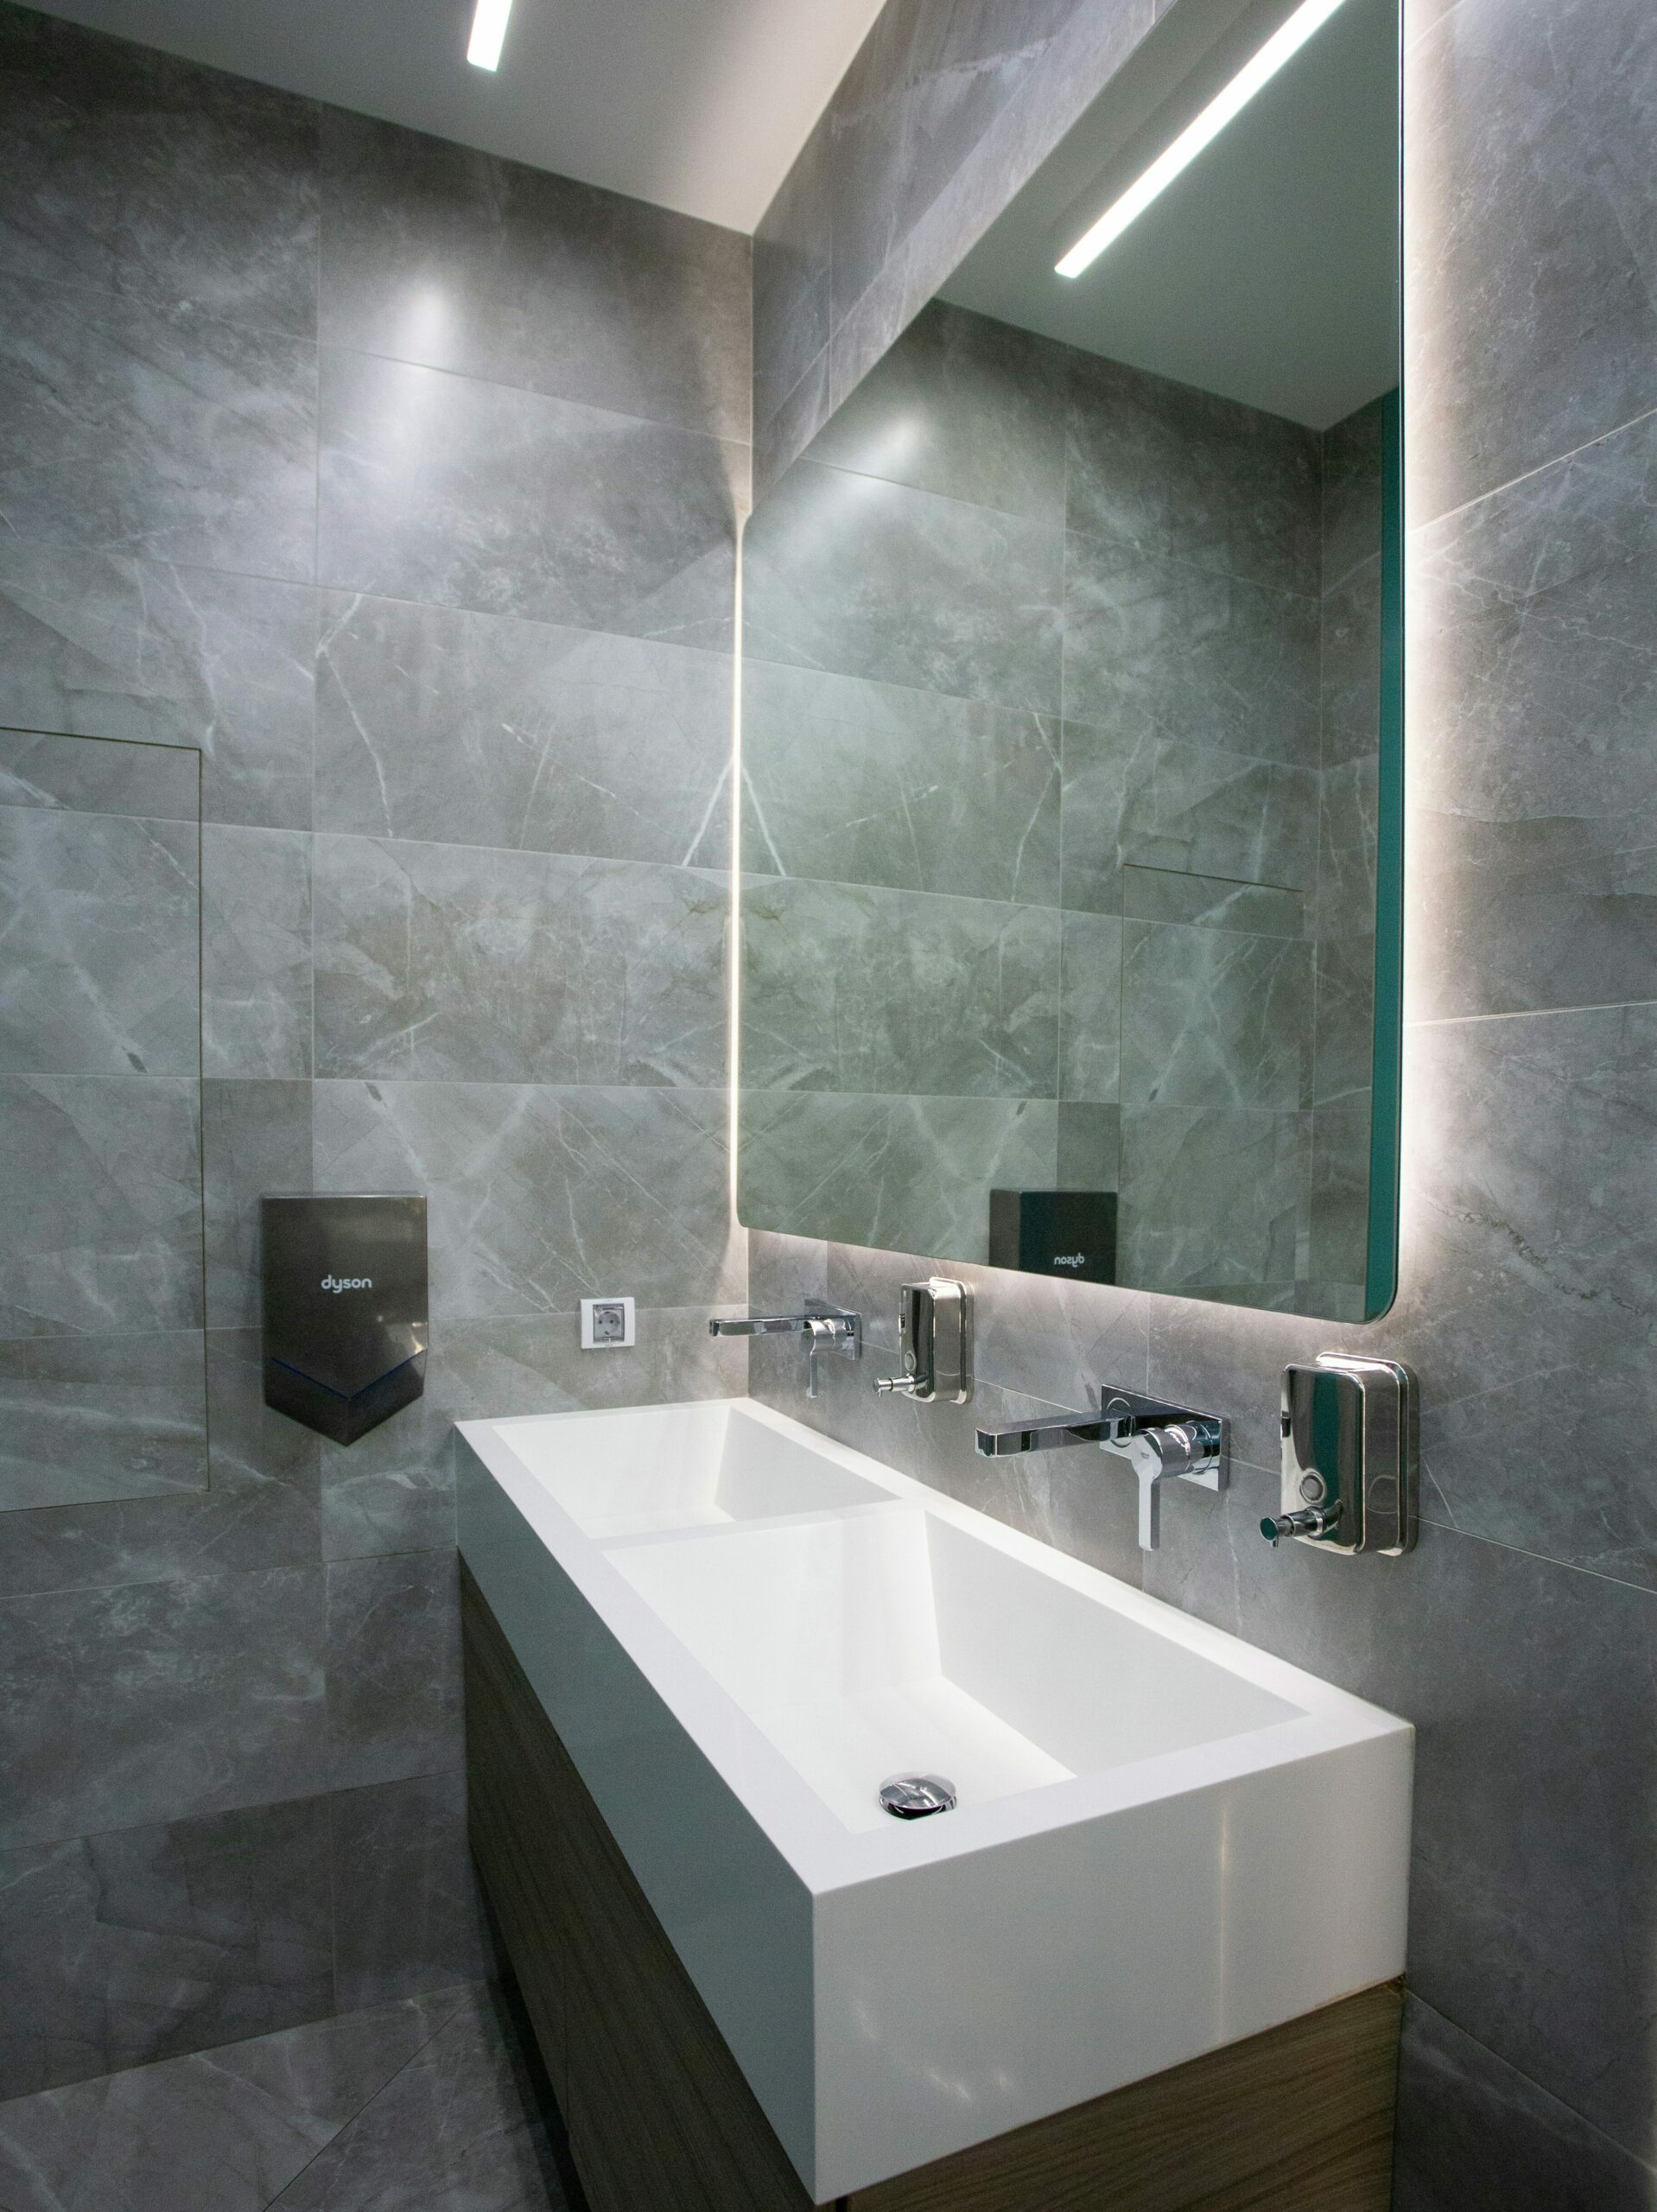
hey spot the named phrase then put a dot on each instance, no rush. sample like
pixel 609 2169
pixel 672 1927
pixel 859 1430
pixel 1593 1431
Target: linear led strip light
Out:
pixel 1283 45
pixel 488 32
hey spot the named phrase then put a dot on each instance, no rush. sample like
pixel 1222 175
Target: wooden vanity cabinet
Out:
pixel 660 2119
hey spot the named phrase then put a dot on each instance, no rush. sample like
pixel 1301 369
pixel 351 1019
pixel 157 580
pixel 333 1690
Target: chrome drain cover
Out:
pixel 912 1796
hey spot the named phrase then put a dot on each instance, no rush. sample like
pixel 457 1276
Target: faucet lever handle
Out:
pixel 1150 1476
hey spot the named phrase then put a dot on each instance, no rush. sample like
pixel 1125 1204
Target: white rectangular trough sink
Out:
pixel 1165 1840
pixel 642 1471
pixel 884 1644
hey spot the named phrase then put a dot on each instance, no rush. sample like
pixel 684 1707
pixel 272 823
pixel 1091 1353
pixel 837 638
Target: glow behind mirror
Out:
pixel 488 33
pixel 1283 45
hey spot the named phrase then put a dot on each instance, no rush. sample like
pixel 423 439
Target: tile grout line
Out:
pixel 1528 1014
pixel 1622 2150
pixel 374 2097
pixel 1525 475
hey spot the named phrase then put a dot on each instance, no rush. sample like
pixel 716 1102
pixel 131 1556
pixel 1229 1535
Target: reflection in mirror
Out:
pixel 1071 727
pixel 102 1374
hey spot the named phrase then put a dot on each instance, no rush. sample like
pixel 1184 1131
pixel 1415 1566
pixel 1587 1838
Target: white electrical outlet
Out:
pixel 606 1324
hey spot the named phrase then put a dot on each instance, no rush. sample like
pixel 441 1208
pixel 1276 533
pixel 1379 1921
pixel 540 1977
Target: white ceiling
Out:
pixel 697 104
pixel 1268 272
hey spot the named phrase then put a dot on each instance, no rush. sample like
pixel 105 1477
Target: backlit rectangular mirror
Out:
pixel 1071 711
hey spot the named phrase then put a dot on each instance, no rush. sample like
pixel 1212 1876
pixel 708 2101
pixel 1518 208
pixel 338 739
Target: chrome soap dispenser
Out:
pixel 1349 1444
pixel 935 1338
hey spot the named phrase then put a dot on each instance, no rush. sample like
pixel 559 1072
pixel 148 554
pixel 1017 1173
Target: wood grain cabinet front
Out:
pixel 662 2119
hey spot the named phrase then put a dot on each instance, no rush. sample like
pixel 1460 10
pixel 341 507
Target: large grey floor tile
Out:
pixel 223 2130
pixel 461 2128
pixel 408 1914
pixel 140 1943
pixel 1474 2135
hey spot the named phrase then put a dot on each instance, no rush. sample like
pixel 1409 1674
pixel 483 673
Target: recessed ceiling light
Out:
pixel 1283 45
pixel 488 31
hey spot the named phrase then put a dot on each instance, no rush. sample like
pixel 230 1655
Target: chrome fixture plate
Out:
pixel 824 1327
pixel 1158 1441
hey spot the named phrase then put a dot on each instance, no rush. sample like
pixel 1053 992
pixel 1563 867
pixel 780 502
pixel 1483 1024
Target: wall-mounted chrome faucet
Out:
pixel 935 1341
pixel 1160 1442
pixel 825 1328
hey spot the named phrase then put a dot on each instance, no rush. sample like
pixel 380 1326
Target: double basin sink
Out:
pixel 1164 1841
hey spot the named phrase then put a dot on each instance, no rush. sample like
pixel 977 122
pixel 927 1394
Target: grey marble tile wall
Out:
pixel 397 485
pixel 944 113
pixel 1521 1637
pixel 102 1375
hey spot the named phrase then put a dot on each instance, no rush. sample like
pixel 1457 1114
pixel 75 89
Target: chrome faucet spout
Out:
pixel 1160 1443
pixel 825 1328
pixel 1039 1436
